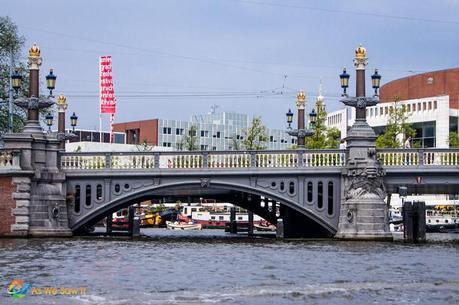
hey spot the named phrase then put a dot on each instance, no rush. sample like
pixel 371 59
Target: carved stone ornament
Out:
pixel 365 182
pixel 205 182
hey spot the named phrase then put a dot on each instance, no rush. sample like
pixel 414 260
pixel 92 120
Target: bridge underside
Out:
pixel 299 219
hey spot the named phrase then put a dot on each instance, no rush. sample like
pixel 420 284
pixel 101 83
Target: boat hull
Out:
pixel 183 226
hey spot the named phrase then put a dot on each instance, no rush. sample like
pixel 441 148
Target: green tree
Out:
pixel 190 139
pixel 323 136
pixel 397 126
pixel 11 43
pixel 235 143
pixel 255 136
pixel 453 139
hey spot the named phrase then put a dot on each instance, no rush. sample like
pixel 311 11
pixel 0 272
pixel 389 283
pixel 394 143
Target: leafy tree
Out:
pixel 144 146
pixel 235 143
pixel 190 140
pixel 397 126
pixel 255 136
pixel 323 136
pixel 453 139
pixel 11 43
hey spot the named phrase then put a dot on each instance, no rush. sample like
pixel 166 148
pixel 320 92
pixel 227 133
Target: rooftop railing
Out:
pixel 419 157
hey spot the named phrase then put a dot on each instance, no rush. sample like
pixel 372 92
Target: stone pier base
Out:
pixel 364 219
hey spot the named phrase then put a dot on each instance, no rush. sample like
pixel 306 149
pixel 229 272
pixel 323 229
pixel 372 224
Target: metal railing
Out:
pixel 203 159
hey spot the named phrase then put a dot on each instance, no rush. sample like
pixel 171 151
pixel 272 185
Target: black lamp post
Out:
pixel 344 77
pixel 16 80
pixel 51 82
pixel 49 121
pixel 73 121
pixel 376 81
pixel 289 115
pixel 301 133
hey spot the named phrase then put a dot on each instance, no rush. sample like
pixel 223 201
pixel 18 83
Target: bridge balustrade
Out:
pixel 418 157
pixel 203 159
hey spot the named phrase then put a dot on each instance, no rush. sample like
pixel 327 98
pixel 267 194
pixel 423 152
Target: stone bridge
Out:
pixel 303 183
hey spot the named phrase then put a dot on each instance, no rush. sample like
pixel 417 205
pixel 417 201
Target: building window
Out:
pixel 408 107
pixel 430 105
pixel 424 106
pixel 167 130
pixel 414 107
pixel 179 131
pixel 386 110
pixel 380 111
pixel 271 139
pixel 204 133
pixel 435 105
pixel 204 147
pixel 419 106
pixel 214 148
pixel 218 134
pixel 167 144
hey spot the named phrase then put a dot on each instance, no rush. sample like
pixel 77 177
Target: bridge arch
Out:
pixel 226 191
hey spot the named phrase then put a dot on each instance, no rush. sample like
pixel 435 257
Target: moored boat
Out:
pixel 183 225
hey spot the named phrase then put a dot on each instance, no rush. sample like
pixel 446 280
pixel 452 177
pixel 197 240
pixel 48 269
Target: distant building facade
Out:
pixel 431 100
pixel 215 131
pixel 83 135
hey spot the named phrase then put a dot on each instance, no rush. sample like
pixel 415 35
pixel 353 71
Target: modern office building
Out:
pixel 215 131
pixel 431 100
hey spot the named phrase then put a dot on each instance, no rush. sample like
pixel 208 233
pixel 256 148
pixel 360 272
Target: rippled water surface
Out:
pixel 210 267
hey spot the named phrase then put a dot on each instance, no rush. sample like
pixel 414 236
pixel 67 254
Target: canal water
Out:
pixel 211 267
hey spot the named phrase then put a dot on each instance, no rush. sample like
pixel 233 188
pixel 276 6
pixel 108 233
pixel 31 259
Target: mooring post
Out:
pixel 420 221
pixel 280 228
pixel 250 232
pixel 408 225
pixel 233 223
pixel 109 223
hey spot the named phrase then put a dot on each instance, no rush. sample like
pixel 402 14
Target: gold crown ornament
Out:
pixel 61 103
pixel 300 99
pixel 34 51
pixel 360 52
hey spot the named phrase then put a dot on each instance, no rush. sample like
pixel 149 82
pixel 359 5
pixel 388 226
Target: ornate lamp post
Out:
pixel 363 213
pixel 73 121
pixel 34 102
pixel 49 121
pixel 301 133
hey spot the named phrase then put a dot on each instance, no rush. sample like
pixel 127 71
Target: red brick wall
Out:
pixel 6 205
pixel 445 82
pixel 148 130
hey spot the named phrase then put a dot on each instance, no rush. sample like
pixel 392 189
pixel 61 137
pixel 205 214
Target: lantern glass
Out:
pixel 313 117
pixel 289 115
pixel 73 120
pixel 376 80
pixel 51 80
pixel 344 77
pixel 49 120
pixel 16 80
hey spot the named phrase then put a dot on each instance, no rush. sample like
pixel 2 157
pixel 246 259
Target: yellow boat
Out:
pixel 150 220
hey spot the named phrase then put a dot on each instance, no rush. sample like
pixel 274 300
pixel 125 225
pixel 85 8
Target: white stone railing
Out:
pixel 203 159
pixel 9 159
pixel 418 157
pixel 247 159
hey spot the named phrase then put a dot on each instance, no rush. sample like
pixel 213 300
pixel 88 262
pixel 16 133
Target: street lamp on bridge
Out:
pixel 301 133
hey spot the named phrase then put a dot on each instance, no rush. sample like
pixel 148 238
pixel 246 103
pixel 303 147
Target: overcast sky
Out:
pixel 250 55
